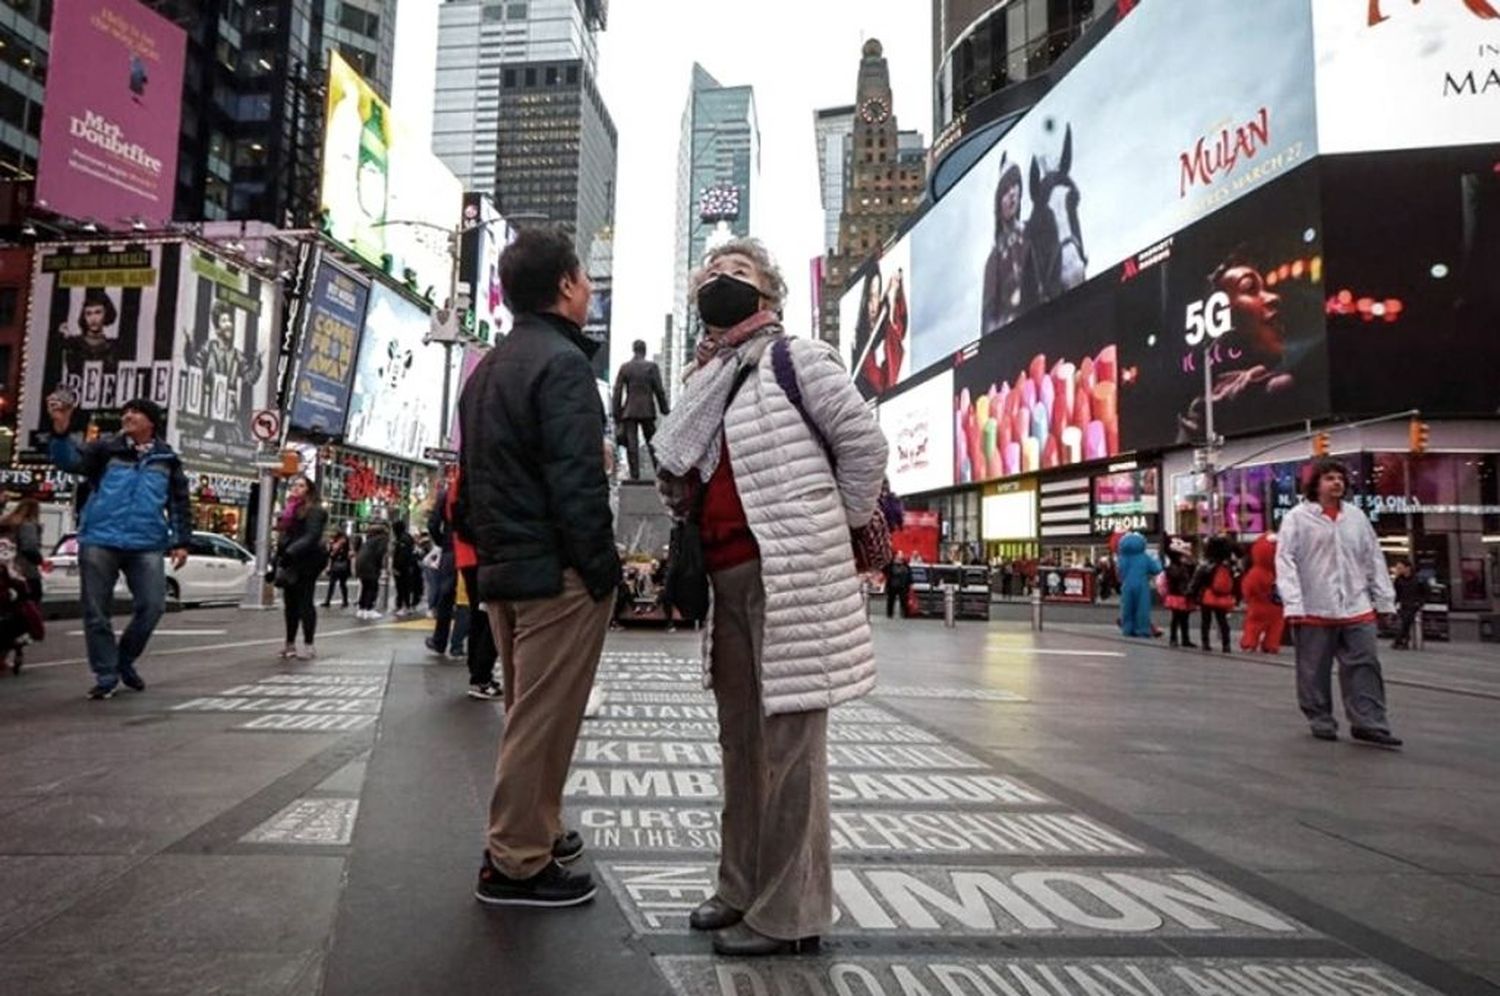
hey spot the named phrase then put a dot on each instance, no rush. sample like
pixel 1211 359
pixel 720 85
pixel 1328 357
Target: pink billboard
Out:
pixel 114 105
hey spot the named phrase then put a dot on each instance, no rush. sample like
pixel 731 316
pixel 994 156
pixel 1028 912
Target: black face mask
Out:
pixel 726 301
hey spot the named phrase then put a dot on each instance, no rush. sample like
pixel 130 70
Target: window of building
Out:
pixel 494 13
pixel 510 79
pixel 10 299
pixel 515 11
pixel 572 75
pixel 552 76
pixel 531 77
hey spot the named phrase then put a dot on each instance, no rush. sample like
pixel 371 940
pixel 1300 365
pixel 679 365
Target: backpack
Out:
pixel 1223 582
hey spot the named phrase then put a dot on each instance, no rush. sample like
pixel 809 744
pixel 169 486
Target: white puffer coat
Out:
pixel 816 651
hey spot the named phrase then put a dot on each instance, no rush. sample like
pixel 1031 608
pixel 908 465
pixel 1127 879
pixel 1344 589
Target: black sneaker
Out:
pixel 553 886
pixel 132 680
pixel 102 692
pixel 567 848
pixel 489 691
pixel 1379 738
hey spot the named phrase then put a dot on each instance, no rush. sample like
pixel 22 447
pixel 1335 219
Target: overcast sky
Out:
pixel 799 55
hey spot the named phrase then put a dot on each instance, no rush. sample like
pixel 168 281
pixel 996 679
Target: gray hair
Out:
pixel 755 251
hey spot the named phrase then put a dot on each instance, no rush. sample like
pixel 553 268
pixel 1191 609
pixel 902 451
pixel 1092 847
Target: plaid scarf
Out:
pixel 691 437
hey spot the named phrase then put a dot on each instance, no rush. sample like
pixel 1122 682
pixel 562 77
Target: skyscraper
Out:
pixel 719 155
pixel 884 178
pixel 833 130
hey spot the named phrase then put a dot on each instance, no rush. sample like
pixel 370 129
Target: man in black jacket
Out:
pixel 535 502
pixel 638 394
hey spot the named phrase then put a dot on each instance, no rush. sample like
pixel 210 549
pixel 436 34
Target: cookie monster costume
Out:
pixel 1136 568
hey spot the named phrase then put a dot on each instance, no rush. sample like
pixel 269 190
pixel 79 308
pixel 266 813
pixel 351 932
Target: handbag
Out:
pixel 872 541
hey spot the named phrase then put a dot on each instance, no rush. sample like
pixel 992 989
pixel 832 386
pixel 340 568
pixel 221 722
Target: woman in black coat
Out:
pixel 300 558
pixel 368 564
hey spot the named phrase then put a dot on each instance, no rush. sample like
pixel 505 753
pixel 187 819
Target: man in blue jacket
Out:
pixel 137 510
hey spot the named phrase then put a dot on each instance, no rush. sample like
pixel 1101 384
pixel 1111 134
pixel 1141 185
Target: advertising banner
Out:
pixel 334 314
pixel 918 426
pixel 879 350
pixel 375 174
pixel 397 380
pixel 1398 75
pixel 114 106
pixel 1413 296
pixel 103 326
pixel 1113 159
pixel 1240 292
pixel 482 247
pixel 227 318
pixel 1127 500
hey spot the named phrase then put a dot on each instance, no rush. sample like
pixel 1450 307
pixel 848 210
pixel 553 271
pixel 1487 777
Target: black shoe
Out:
pixel 567 848
pixel 740 941
pixel 553 886
pixel 102 692
pixel 1379 738
pixel 1323 734
pixel 130 679
pixel 490 691
pixel 714 914
pixel 1189 645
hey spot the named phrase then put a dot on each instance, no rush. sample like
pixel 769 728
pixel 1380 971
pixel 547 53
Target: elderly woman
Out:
pixel 788 636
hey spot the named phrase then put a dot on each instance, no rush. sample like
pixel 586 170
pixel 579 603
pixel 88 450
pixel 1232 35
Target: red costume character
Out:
pixel 1263 612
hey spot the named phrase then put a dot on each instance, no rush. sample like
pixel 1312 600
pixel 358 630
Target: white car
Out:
pixel 217 570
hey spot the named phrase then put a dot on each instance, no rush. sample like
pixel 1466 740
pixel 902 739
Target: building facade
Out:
pixel 884 177
pixel 719 152
pixel 833 130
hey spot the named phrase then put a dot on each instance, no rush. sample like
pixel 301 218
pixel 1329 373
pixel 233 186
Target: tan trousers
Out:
pixel 549 650
pixel 776 862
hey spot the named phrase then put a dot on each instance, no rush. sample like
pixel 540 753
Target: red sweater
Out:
pixel 727 540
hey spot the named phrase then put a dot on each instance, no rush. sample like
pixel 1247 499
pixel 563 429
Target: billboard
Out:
pixel 1397 75
pixel 1412 296
pixel 489 233
pixel 333 316
pixel 227 322
pixel 114 104
pixel 1112 160
pixel 103 325
pixel 384 194
pixel 918 425
pixel 877 333
pixel 397 380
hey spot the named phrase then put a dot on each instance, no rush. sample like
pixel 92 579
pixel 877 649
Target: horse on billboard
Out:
pixel 1056 260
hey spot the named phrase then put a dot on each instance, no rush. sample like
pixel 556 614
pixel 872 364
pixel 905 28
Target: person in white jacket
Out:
pixel 1332 578
pixel 774 489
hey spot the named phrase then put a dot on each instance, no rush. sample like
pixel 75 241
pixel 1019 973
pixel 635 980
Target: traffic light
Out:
pixel 1320 442
pixel 1418 436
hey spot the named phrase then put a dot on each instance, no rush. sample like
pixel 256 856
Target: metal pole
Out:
pixel 1036 609
pixel 1208 447
pixel 447 393
pixel 950 606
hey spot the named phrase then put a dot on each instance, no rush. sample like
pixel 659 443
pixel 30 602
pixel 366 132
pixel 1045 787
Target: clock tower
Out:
pixel 884 175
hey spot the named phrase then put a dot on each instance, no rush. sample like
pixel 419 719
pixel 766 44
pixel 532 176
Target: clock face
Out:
pixel 874 111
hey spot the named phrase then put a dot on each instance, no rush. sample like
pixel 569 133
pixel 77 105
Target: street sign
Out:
pixel 265 425
pixel 438 454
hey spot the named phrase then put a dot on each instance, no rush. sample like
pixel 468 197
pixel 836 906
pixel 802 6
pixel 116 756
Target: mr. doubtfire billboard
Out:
pixel 114 101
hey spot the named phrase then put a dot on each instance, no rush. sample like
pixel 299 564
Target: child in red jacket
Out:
pixel 1263 612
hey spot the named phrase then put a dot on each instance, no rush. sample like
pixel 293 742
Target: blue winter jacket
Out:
pixel 137 501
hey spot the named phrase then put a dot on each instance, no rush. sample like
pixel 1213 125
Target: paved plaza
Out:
pixel 1014 814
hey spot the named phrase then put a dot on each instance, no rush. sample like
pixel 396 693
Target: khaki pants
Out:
pixel 776 863
pixel 549 650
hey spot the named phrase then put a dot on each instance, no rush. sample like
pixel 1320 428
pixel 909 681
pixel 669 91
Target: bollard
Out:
pixel 1036 610
pixel 950 606
pixel 1417 638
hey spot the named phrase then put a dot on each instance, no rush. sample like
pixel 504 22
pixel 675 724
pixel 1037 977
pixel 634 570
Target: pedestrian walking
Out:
pixel 340 560
pixel 300 558
pixel 775 480
pixel 535 503
pixel 638 396
pixel 1214 588
pixel 1179 579
pixel 368 565
pixel 1333 580
pixel 1411 595
pixel 897 584
pixel 21 531
pixel 137 511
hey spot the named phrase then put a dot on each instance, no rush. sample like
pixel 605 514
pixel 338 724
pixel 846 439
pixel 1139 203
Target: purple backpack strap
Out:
pixel 786 379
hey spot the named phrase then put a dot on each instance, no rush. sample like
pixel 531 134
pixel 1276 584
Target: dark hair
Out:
pixel 534 264
pixel 639 346
pixel 1315 472
pixel 95 298
pixel 150 409
pixel 220 308
pixel 25 510
pixel 314 497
